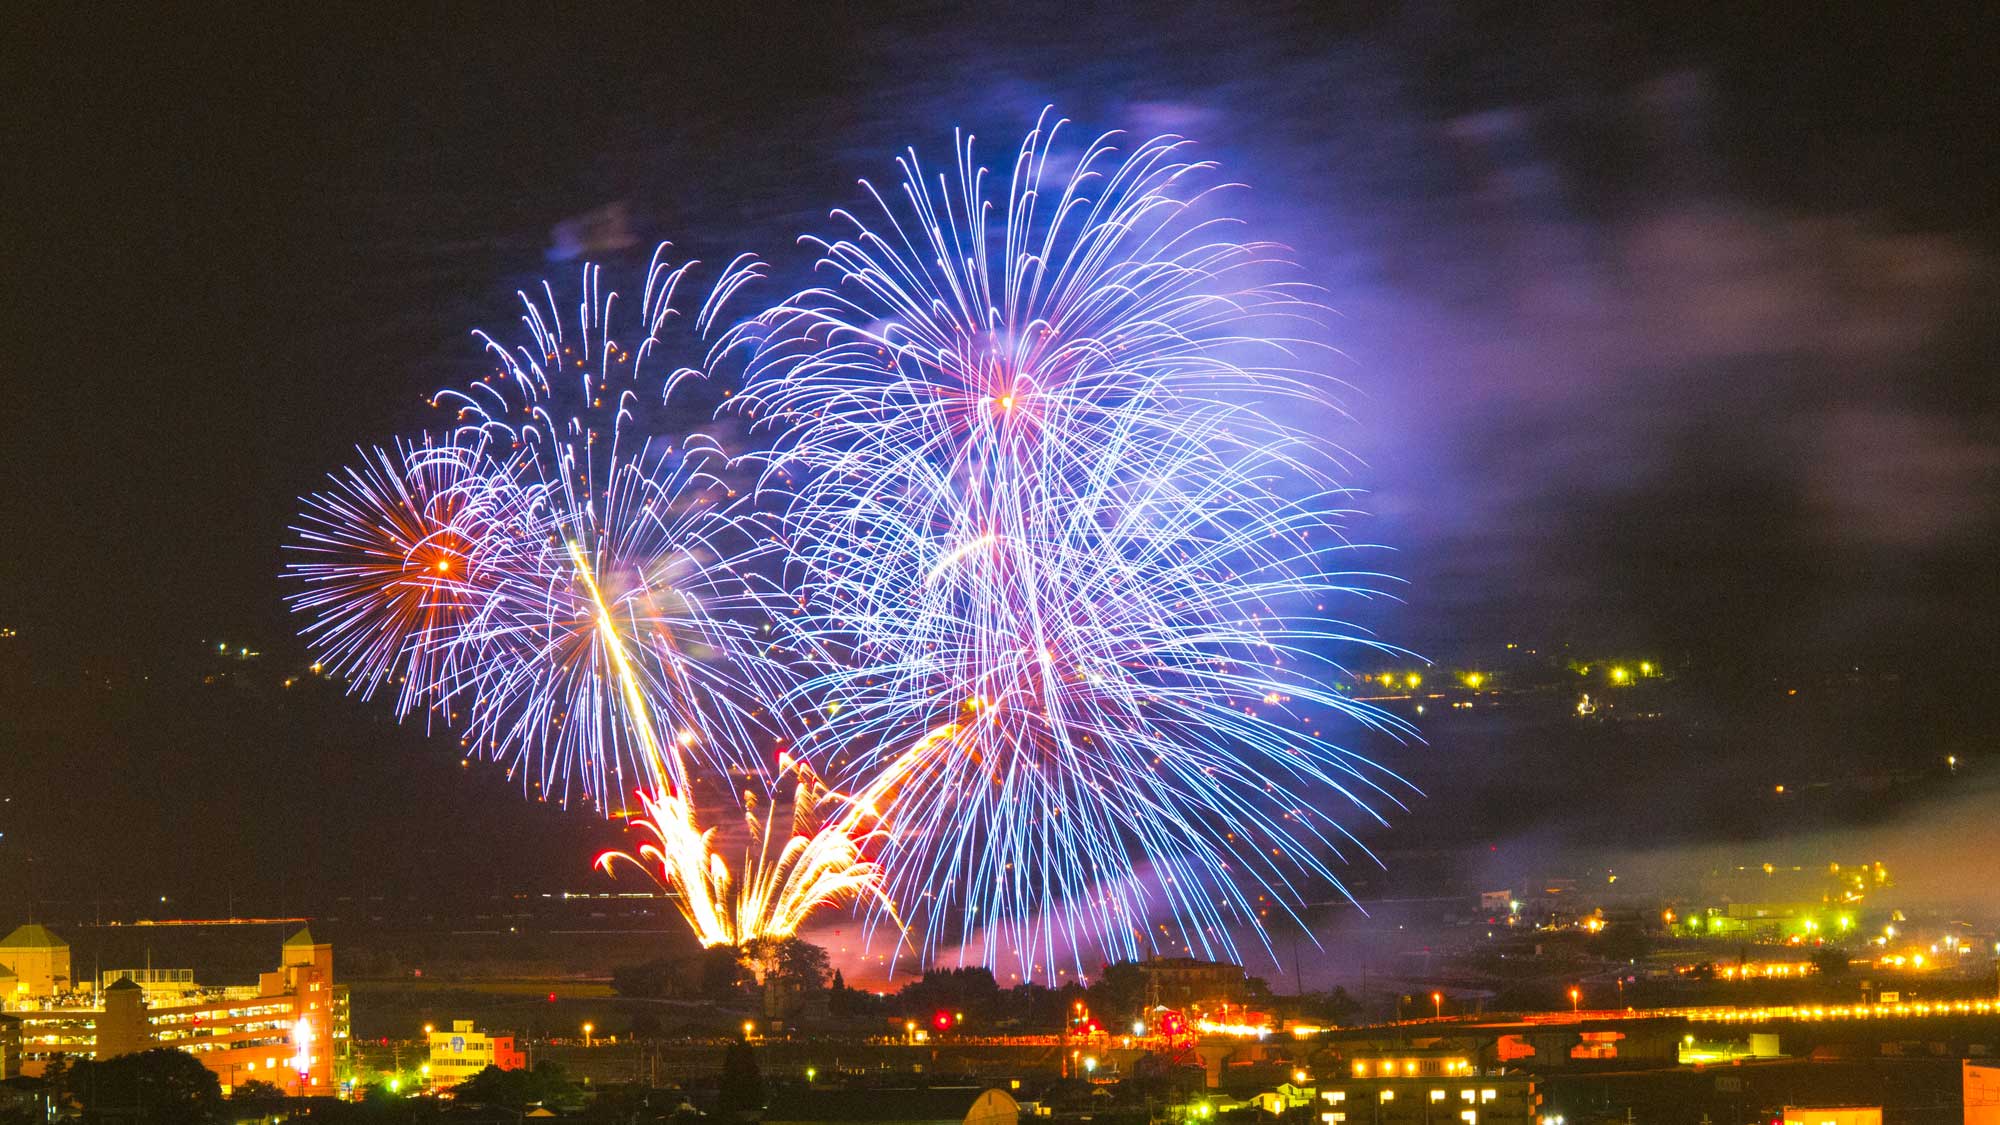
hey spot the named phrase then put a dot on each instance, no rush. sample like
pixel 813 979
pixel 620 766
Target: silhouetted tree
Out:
pixel 162 1085
pixel 256 1099
pixel 548 1084
pixel 722 972
pixel 1118 993
pixel 742 1088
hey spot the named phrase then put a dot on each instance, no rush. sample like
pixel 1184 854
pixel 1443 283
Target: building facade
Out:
pixel 10 1047
pixel 287 1029
pixel 1181 983
pixel 1425 1087
pixel 462 1052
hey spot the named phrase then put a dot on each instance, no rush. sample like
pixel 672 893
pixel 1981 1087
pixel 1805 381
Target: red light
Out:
pixel 941 1021
pixel 552 997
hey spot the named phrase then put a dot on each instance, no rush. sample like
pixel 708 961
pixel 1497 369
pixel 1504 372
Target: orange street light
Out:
pixel 1437 1004
pixel 1575 998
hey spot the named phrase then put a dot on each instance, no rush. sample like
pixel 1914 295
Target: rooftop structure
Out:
pixel 37 960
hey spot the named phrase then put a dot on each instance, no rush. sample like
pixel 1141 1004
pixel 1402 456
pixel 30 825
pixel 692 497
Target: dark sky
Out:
pixel 1664 330
pixel 1672 331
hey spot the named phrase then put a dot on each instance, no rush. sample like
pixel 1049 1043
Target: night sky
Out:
pixel 1665 331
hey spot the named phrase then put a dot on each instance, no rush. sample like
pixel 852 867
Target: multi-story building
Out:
pixel 10 1047
pixel 1425 1086
pixel 1181 983
pixel 286 1030
pixel 462 1052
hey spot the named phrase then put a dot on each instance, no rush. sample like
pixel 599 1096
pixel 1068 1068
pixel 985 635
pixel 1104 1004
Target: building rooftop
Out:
pixel 303 938
pixel 32 936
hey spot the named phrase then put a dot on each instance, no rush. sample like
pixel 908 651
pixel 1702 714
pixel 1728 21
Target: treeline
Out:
pixel 945 1001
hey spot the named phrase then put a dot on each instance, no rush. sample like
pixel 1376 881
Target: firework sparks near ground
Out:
pixel 1064 571
pixel 820 862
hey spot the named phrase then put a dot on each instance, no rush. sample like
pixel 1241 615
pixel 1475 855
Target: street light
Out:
pixel 587 1029
pixel 1437 1004
pixel 749 1029
pixel 812 1072
pixel 1575 998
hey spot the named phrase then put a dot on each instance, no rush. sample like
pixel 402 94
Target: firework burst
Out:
pixel 396 559
pixel 1061 544
pixel 569 589
pixel 626 634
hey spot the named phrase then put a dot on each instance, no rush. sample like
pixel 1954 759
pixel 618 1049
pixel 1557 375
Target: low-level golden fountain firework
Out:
pixel 821 861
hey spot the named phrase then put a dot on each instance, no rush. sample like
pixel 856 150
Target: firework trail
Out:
pixel 1061 565
pixel 629 635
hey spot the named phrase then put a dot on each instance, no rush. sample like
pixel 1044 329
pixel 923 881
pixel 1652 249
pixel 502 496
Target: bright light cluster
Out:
pixel 1062 536
pixel 566 591
pixel 1034 554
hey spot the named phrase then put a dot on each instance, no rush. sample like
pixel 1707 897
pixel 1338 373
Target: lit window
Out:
pixel 1488 1095
pixel 1468 1095
pixel 1388 1095
pixel 1336 1096
pixel 1437 1095
pixel 1470 1117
